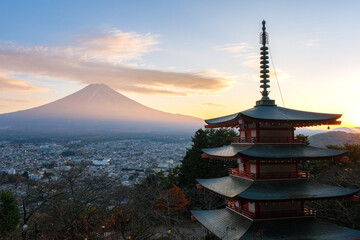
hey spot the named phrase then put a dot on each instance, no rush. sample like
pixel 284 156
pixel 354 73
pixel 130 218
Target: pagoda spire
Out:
pixel 264 72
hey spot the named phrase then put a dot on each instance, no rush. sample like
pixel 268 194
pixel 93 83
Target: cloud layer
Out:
pixel 213 104
pixel 235 47
pixel 102 58
pixel 10 84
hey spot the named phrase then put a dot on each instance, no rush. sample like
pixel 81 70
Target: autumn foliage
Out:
pixel 172 199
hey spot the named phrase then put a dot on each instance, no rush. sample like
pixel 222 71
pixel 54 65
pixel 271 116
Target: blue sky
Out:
pixel 203 52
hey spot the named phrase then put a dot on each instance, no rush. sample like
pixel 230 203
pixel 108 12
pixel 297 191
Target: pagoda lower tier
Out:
pixel 228 225
pixel 273 199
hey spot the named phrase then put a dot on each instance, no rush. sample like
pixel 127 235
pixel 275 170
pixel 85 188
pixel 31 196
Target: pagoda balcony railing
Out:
pixel 268 140
pixel 277 175
pixel 241 211
pixel 307 212
pixel 237 172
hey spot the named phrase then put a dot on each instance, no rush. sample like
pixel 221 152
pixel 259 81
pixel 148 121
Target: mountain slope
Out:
pixel 345 129
pixel 334 138
pixel 94 108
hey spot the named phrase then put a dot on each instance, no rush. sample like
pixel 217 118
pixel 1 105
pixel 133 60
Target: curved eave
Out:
pixel 223 223
pixel 272 151
pixel 276 114
pixel 226 186
pixel 228 225
pixel 275 190
pixel 294 190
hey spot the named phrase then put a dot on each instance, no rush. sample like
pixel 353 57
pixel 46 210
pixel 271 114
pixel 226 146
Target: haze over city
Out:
pixel 193 58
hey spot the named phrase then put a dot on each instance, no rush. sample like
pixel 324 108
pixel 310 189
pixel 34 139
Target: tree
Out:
pixel 9 213
pixel 194 166
pixel 140 217
pixel 172 199
pixel 77 208
pixel 306 139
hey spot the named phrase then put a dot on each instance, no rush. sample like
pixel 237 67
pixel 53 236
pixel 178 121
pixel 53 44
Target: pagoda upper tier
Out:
pixel 274 114
pixel 277 190
pixel 272 151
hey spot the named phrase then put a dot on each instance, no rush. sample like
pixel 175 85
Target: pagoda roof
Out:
pixel 227 225
pixel 275 113
pixel 274 190
pixel 272 151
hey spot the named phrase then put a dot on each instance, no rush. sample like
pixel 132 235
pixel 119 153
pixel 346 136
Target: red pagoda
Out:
pixel 265 195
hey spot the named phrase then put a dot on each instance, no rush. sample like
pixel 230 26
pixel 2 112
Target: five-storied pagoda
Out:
pixel 265 195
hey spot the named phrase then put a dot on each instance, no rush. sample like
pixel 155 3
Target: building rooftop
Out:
pixel 275 113
pixel 228 225
pixel 275 190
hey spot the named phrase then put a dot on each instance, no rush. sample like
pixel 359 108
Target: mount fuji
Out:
pixel 96 109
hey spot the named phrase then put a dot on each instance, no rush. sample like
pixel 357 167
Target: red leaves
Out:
pixel 172 199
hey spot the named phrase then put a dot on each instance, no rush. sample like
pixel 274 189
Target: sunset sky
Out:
pixel 198 58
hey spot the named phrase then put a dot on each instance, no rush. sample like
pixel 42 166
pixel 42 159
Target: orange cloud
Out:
pixel 113 47
pixel 14 104
pixel 22 101
pixel 97 60
pixel 9 84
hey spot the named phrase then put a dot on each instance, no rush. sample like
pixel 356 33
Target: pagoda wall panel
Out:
pixel 282 133
pixel 280 206
pixel 276 168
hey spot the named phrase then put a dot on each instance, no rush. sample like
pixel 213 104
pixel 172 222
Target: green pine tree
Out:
pixel 193 166
pixel 9 213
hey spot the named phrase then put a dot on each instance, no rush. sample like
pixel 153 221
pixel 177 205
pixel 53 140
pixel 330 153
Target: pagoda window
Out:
pixel 253 168
pixel 253 133
pixel 242 166
pixel 242 134
pixel 252 207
